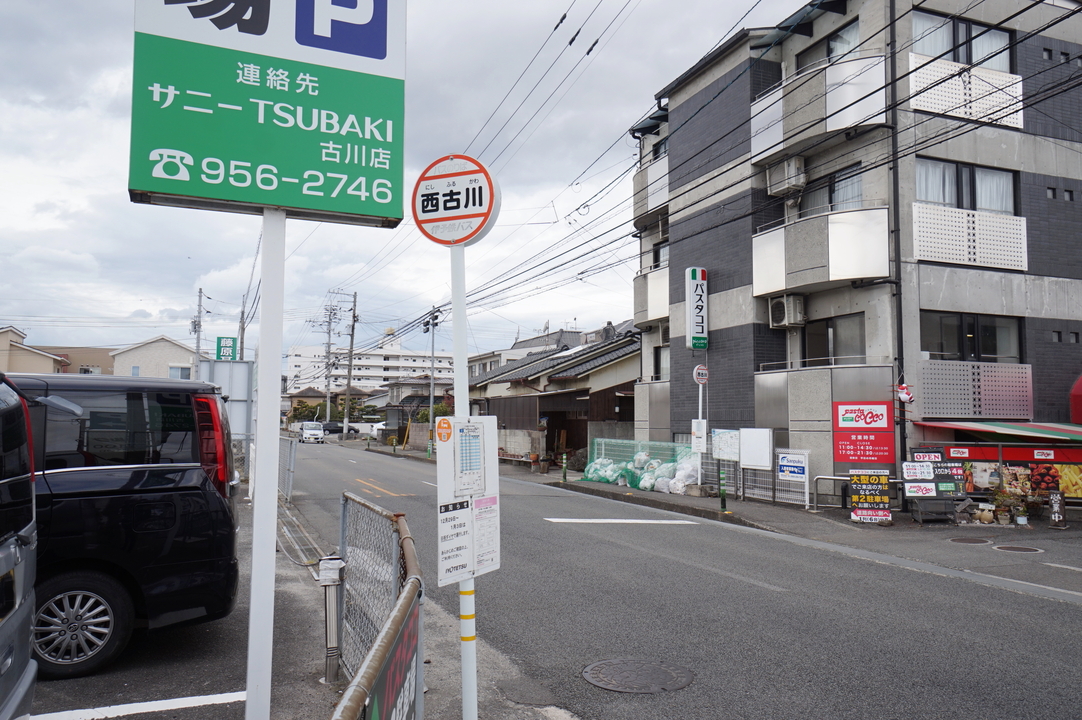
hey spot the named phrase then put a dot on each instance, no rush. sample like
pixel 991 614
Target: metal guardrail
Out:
pixel 382 590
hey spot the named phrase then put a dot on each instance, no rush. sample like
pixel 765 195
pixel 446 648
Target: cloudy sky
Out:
pixel 81 265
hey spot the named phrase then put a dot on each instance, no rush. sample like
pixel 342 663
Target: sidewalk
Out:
pixel 828 523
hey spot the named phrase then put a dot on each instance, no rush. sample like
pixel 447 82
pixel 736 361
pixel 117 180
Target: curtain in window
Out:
pixel 995 191
pixel 990 50
pixel 931 35
pixel 844 41
pixel 936 182
pixel 848 193
pixel 816 200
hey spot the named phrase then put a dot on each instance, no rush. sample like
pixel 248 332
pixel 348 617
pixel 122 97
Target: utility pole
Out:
pixel 332 313
pixel 349 370
pixel 430 324
pixel 240 330
pixel 197 328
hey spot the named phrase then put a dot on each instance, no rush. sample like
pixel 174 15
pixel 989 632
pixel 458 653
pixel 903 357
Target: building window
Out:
pixel 661 363
pixel 968 187
pixel 180 373
pixel 1072 337
pixel 835 341
pixel 841 191
pixel 660 257
pixel 1046 53
pixel 135 371
pixel 1050 193
pixel 970 338
pixel 1068 195
pixel 661 148
pixel 962 42
pixel 835 47
pixel 1057 336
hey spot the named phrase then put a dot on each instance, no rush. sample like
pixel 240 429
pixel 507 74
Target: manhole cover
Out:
pixel 970 541
pixel 1017 548
pixel 632 675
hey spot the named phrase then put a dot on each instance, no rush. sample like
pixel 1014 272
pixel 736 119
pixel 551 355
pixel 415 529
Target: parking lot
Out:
pixel 207 662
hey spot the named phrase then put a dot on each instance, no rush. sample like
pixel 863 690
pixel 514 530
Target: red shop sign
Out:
pixel 874 447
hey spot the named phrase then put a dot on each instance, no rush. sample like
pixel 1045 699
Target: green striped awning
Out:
pixel 1041 431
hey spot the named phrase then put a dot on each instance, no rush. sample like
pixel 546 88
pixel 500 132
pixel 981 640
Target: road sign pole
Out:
pixel 466 614
pixel 264 481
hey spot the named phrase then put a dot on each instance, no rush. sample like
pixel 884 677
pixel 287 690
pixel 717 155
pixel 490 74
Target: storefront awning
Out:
pixel 1039 431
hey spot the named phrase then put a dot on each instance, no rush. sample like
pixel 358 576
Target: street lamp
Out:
pixel 431 323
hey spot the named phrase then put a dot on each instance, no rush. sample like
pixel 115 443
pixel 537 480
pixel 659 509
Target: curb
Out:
pixel 726 516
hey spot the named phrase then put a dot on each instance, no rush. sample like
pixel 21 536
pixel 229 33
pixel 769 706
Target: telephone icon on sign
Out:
pixel 164 156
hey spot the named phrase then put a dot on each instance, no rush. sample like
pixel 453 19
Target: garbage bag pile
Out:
pixel 644 473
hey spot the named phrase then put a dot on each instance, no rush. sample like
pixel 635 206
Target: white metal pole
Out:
pixel 699 456
pixel 265 480
pixel 466 622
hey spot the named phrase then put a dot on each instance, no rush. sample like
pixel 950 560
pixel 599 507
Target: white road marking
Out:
pixel 353 461
pixel 428 483
pixel 144 707
pixel 617 521
pixel 1065 567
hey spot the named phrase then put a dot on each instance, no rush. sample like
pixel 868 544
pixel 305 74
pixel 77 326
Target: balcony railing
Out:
pixel 969 237
pixel 805 363
pixel 824 250
pixel 974 93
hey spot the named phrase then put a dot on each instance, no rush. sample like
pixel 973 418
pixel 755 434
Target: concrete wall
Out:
pixel 154 359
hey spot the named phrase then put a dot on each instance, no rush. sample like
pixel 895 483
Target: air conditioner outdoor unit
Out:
pixel 787 311
pixel 786 176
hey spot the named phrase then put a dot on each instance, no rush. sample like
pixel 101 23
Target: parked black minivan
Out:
pixel 17 538
pixel 135 513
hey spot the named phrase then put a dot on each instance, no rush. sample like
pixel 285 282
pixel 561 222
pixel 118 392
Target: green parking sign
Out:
pixel 277 107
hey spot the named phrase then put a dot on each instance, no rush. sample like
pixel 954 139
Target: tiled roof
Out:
pixel 587 367
pixel 512 366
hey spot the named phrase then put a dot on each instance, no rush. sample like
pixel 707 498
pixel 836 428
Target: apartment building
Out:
pixel 872 193
pixel 306 366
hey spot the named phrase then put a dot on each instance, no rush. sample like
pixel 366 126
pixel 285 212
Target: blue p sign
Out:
pixel 357 27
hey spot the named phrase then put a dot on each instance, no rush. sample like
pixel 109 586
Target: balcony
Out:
pixel 954 389
pixel 651 295
pixel 820 99
pixel 651 186
pixel 822 251
pixel 949 88
pixel 969 237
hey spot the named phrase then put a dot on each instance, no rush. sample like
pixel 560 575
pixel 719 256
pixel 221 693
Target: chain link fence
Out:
pixel 374 574
pixel 757 484
pixel 287 462
pixel 242 455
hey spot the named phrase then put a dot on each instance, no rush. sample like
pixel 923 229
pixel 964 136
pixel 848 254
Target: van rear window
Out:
pixel 16 492
pixel 132 428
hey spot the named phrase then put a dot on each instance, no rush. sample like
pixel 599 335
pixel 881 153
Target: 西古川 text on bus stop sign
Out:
pixel 456 201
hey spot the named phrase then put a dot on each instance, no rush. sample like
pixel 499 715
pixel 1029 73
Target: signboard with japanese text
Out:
pixel 869 498
pixel 297 104
pixel 696 301
pixel 467 491
pixel 701 374
pixel 455 201
pixel 864 432
pixel 699 434
pixel 793 466
pixel 725 445
pixel 227 348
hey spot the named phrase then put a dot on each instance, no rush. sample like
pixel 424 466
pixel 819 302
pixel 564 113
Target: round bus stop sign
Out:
pixel 701 374
pixel 456 201
pixel 443 429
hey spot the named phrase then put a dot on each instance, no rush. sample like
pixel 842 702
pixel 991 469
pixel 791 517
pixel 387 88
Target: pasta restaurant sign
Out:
pixel 696 300
pixel 864 432
pixel 296 104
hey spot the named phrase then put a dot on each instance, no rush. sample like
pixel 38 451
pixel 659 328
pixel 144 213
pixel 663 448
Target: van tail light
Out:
pixel 215 455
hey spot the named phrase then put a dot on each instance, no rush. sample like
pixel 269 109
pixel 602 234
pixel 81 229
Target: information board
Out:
pixel 725 445
pixel 869 498
pixel 467 490
pixel 297 105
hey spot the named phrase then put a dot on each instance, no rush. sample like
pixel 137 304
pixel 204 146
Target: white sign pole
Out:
pixel 264 481
pixel 467 625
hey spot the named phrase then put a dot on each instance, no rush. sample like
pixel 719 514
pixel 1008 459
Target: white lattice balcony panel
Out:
pixel 968 237
pixel 951 389
pixel 974 93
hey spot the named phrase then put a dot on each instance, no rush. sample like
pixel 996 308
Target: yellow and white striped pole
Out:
pixel 467 629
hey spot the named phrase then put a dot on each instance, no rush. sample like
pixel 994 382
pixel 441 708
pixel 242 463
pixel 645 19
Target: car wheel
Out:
pixel 326 433
pixel 83 621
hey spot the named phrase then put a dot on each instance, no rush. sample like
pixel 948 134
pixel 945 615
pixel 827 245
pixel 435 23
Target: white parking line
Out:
pixel 617 521
pixel 1065 567
pixel 144 707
